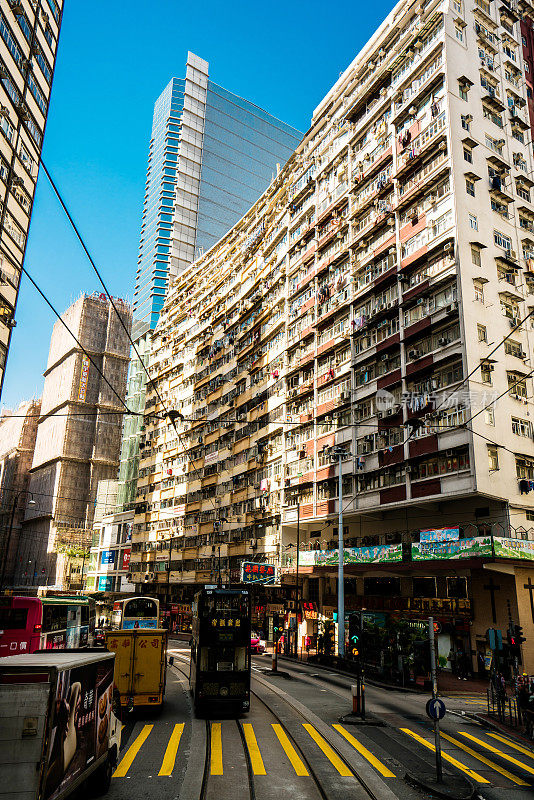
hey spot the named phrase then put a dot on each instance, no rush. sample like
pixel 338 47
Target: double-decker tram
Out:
pixel 219 674
pixel 135 612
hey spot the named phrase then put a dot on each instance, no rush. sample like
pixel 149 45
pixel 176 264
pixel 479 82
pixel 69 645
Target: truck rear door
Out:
pixel 147 671
pixel 23 718
pixel 122 643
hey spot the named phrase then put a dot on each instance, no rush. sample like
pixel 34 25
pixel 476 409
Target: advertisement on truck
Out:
pixel 80 723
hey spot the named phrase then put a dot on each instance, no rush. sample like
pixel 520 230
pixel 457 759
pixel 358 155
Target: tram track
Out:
pixel 324 788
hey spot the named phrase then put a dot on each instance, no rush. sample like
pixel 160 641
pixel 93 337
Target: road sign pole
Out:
pixel 434 677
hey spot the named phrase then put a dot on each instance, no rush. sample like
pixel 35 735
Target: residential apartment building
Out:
pixel 29 33
pixel 375 299
pixel 78 439
pixel 18 429
pixel 211 155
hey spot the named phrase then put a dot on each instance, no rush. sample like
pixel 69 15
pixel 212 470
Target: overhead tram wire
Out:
pixel 60 318
pixel 475 369
pixel 172 416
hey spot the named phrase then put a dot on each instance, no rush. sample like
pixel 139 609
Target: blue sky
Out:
pixel 114 59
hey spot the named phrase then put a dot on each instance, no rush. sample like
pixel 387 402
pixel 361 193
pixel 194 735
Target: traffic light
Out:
pixel 329 638
pixel 518 633
pixel 355 635
pixel 278 625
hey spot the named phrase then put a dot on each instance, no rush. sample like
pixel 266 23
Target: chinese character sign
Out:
pixel 251 572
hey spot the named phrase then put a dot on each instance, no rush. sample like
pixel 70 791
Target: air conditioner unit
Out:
pixel 148 576
pixel 385 357
pixel 345 396
pixel 253 543
pixel 442 342
pixel 414 354
pixel 442 146
pixel 412 111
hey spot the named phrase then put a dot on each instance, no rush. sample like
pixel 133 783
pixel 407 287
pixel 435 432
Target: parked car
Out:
pixel 257 646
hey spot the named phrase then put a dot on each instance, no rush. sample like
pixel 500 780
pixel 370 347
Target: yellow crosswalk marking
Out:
pixel 365 752
pixel 169 758
pixel 216 749
pixel 128 758
pixel 258 767
pixel 472 774
pixel 291 753
pixel 334 759
pixel 499 753
pixel 484 760
pixel 523 750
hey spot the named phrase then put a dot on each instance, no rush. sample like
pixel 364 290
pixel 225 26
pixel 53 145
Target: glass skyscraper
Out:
pixel 211 156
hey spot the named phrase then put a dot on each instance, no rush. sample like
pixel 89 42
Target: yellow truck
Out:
pixel 140 666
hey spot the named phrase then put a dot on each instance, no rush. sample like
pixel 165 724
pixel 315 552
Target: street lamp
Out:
pixel 31 502
pixel 340 452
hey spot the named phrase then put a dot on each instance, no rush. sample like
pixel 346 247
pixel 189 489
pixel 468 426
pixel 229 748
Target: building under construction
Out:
pixel 78 435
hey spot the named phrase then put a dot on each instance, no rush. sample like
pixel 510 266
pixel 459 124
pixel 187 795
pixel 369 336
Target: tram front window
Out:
pixel 223 659
pixel 229 606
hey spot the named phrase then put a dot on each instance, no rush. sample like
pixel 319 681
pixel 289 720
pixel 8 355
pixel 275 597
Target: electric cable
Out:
pixel 60 318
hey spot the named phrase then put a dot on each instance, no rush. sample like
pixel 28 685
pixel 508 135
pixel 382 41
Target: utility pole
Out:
pixel 437 738
pixel 297 576
pixel 340 452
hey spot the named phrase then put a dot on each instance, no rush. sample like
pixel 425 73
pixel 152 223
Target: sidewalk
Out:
pixel 448 684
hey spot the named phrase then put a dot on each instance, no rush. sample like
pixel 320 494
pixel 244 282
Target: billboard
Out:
pixel 125 562
pixel 513 548
pixel 440 535
pixel 80 725
pixel 375 554
pixel 258 573
pixel 464 548
pixel 105 583
pixel 107 557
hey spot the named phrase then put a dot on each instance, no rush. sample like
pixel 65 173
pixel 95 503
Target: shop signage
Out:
pixel 258 573
pixel 464 548
pixel 440 535
pixel 381 553
pixel 179 510
pixel 275 608
pixel 126 558
pixel 211 457
pixel 513 548
pixel 108 557
pixel 310 610
pixel 105 583
pixel 162 556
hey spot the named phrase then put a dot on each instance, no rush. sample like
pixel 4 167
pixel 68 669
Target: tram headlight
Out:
pixel 224 691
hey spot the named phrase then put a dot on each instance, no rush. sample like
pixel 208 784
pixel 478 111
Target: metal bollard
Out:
pixel 355 699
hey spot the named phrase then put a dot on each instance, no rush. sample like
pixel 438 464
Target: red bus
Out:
pixel 28 624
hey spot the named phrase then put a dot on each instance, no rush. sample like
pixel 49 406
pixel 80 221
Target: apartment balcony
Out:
pixel 421 144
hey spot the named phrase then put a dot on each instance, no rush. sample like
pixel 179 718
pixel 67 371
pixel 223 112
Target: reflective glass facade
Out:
pixel 211 156
pixel 242 146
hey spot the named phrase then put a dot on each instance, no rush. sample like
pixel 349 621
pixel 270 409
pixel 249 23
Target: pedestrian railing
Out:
pixel 504 708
